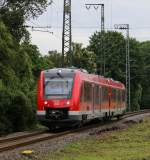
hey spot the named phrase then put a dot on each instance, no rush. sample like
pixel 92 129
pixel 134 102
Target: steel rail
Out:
pixel 21 136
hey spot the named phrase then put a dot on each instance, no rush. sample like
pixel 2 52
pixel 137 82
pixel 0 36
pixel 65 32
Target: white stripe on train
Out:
pixel 97 112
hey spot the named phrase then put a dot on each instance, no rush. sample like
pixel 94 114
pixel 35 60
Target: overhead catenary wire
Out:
pixel 91 27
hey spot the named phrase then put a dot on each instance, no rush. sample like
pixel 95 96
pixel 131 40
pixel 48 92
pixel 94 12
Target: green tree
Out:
pixel 52 59
pixel 16 82
pixel 113 47
pixel 15 13
pixel 8 50
pixel 145 75
pixel 82 58
pixel 30 8
pixel 34 57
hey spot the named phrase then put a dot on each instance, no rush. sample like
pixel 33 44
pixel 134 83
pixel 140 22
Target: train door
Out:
pixel 114 99
pixel 96 98
pixel 92 98
pixel 121 100
pixel 82 105
pixel 100 98
pixel 109 99
pixel 117 100
pixel 88 96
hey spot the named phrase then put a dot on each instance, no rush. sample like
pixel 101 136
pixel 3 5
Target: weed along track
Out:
pixel 35 137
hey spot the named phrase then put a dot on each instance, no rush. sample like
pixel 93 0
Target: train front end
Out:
pixel 55 100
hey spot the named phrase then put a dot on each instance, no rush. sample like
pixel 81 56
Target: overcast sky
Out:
pixel 86 22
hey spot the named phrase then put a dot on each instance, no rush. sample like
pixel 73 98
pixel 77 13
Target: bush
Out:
pixel 5 103
pixel 21 113
pixel 16 112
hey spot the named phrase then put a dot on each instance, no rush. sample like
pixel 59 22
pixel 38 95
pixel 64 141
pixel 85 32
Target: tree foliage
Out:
pixel 145 75
pixel 113 47
pixel 82 58
pixel 16 81
pixel 30 8
pixel 14 13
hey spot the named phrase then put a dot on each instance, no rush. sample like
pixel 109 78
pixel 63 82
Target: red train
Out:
pixel 72 96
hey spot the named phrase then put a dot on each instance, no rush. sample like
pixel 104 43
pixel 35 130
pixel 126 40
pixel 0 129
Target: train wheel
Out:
pixel 54 128
pixel 107 117
pixel 78 125
pixel 118 117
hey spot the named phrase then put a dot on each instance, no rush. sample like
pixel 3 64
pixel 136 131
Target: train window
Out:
pixel 113 95
pixel 119 96
pixel 58 88
pixel 100 95
pixel 123 95
pixel 82 93
pixel 96 94
pixel 87 92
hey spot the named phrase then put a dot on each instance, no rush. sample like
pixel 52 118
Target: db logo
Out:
pixel 2 2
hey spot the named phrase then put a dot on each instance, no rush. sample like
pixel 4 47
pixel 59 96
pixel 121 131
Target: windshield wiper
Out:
pixel 59 75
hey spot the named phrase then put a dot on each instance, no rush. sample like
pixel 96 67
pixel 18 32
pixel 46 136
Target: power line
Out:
pixel 38 28
pixel 44 27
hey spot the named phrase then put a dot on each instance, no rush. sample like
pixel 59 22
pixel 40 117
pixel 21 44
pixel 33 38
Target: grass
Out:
pixel 130 144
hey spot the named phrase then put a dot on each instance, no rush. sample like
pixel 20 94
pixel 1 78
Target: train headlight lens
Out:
pixel 45 102
pixel 68 103
pixel 59 71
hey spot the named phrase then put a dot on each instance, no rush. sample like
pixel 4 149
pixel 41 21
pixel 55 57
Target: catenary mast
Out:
pixel 67 35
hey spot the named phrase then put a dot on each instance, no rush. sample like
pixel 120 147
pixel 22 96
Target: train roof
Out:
pixel 65 70
pixel 86 76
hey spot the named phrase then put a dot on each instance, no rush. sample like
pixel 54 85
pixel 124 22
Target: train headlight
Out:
pixel 45 102
pixel 59 71
pixel 68 103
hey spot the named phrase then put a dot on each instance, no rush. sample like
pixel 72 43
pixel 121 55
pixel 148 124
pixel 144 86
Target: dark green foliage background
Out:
pixel 21 63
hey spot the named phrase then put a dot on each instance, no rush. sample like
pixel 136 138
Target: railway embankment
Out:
pixel 127 139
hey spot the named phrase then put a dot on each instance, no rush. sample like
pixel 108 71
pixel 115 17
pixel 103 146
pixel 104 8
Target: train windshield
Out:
pixel 58 88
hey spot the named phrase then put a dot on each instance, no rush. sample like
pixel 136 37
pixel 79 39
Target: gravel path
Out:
pixel 40 149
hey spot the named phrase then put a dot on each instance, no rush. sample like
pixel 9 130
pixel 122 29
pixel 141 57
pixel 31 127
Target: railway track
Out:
pixel 129 114
pixel 31 138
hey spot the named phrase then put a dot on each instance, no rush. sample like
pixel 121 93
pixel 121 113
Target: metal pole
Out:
pixel 102 32
pixel 128 74
pixel 128 61
pixel 101 66
pixel 127 70
pixel 70 42
pixel 66 34
pixel 63 36
pixel 102 18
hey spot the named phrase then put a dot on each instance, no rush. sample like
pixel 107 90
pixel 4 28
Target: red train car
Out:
pixel 72 96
